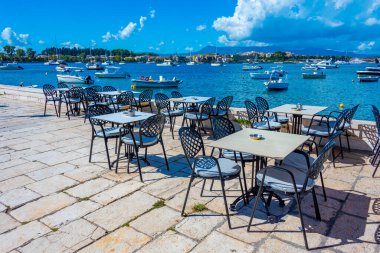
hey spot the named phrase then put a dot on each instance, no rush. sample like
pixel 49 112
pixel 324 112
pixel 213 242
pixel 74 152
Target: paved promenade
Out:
pixel 53 200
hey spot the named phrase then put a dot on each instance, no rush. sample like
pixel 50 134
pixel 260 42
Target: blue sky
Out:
pixel 168 26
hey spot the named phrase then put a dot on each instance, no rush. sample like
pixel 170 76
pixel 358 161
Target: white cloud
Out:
pixel 11 36
pixel 366 46
pixel 161 43
pixel 372 21
pixel 201 27
pixel 224 40
pixel 157 49
pixel 127 31
pixel 41 42
pixel 252 43
pixel 151 48
pixel 341 4
pixel 142 22
pixel 326 21
pixel 93 43
pixel 68 44
pixel 106 37
pixel 152 13
pixel 375 5
pixel 189 49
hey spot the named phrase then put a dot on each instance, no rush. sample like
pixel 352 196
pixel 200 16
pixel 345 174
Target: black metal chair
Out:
pixel 109 88
pixel 293 182
pixel 376 149
pixel 203 114
pixel 90 97
pixel 207 167
pixel 164 107
pixel 99 129
pixel 98 88
pixel 347 124
pixel 73 97
pixel 51 96
pixel 259 121
pixel 123 101
pixel 327 127
pixel 222 107
pixel 62 86
pixel 144 100
pixel 149 134
pixel 263 107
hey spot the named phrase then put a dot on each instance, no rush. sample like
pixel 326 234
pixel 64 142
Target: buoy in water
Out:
pixel 133 86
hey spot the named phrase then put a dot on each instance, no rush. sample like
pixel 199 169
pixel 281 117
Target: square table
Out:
pixel 275 145
pixel 308 110
pixel 190 99
pixel 122 118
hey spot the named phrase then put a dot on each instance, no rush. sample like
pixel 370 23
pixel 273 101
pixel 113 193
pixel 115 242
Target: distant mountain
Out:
pixel 300 51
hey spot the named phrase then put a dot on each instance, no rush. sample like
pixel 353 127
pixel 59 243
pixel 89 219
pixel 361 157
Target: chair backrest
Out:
pixel 317 166
pixel 207 106
pixel 350 115
pixel 97 110
pixel 98 88
pixel 339 121
pixel 146 96
pixel 90 94
pixel 152 126
pixel 191 141
pixel 162 102
pixel 261 105
pixel 109 88
pixel 62 85
pixel 222 127
pixel 252 111
pixel 176 94
pixel 225 103
pixel 376 114
pixel 125 98
pixel 49 90
pixel 75 92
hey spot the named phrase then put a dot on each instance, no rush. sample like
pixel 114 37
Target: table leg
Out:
pixel 297 124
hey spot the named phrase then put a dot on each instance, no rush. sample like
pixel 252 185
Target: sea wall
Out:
pixel 362 133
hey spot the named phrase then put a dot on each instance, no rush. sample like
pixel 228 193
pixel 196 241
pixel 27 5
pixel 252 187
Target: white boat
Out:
pixel 372 68
pixel 310 67
pixel 314 75
pixel 166 63
pixel 94 66
pixel 190 63
pixel 265 75
pixel 122 63
pixel 277 84
pixel 111 72
pixel 326 64
pixel 63 68
pixel 74 79
pixel 148 82
pixel 216 64
pixel 107 63
pixel 357 61
pixel 11 66
pixel 368 79
pixel 252 68
pixel 341 62
pixel 150 62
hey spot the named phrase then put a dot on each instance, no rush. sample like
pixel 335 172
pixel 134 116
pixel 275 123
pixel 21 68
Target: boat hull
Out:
pixel 155 84
pixel 368 79
pixel 11 68
pixel 368 73
pixel 313 76
pixel 73 79
pixel 118 75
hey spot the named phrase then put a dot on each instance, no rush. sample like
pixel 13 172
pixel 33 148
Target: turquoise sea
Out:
pixel 340 85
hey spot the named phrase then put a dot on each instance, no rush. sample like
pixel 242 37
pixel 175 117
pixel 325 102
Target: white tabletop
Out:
pixel 62 89
pixel 123 118
pixel 274 144
pixel 114 93
pixel 190 99
pixel 292 109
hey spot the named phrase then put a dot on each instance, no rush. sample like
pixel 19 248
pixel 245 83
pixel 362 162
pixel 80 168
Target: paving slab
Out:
pixel 85 173
pixel 90 188
pixel 7 223
pixel 170 242
pixel 52 184
pixel 15 182
pixel 51 171
pixel 17 197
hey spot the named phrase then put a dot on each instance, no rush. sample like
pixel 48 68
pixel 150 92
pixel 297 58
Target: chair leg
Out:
pixel 225 203
pixel 341 148
pixel 377 166
pixel 203 187
pixel 242 191
pixel 316 207
pixel 212 184
pixel 45 108
pixel 348 141
pixel 258 197
pixel 166 159
pixel 187 195
pixel 108 155
pixel 301 219
pixel 92 143
pixel 138 163
pixel 323 186
pixel 118 157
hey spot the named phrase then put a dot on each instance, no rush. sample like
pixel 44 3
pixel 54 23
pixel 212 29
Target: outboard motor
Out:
pixel 87 79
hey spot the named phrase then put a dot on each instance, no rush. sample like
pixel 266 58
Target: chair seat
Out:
pixel 143 104
pixel 110 132
pixel 53 99
pixel 263 125
pixel 123 107
pixel 74 100
pixel 216 112
pixel 318 130
pixel 344 125
pixel 280 119
pixel 229 154
pixel 228 168
pixel 146 141
pixel 196 116
pixel 173 113
pixel 279 180
pixel 298 161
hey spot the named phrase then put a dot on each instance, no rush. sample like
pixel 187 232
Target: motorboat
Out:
pixel 368 79
pixel 309 67
pixel 372 68
pixel 166 63
pixel 314 75
pixel 277 84
pixel 107 63
pixel 94 66
pixel 251 68
pixel 63 68
pixel 265 75
pixel 368 73
pixel 357 61
pixel 216 64
pixel 190 63
pixel 342 62
pixel 11 66
pixel 122 63
pixel 74 79
pixel 326 64
pixel 112 72
pixel 148 82
pixel 150 62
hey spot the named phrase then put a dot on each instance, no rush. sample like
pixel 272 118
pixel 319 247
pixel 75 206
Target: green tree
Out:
pixel 10 50
pixel 30 53
pixel 20 53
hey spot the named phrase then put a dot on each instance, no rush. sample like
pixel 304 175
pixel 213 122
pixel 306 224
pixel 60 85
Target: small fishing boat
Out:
pixel 251 68
pixel 64 68
pixel 326 64
pixel 74 79
pixel 107 63
pixel 150 62
pixel 122 63
pixel 94 66
pixel 368 79
pixel 11 66
pixel 372 68
pixel 309 67
pixel 216 64
pixel 148 82
pixel 166 63
pixel 111 72
pixel 314 75
pixel 277 84
pixel 368 73
pixel 190 63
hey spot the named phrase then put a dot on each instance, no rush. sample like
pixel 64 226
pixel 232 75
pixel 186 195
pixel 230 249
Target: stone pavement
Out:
pixel 53 200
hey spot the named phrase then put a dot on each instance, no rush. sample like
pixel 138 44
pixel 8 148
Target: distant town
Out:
pixel 12 53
